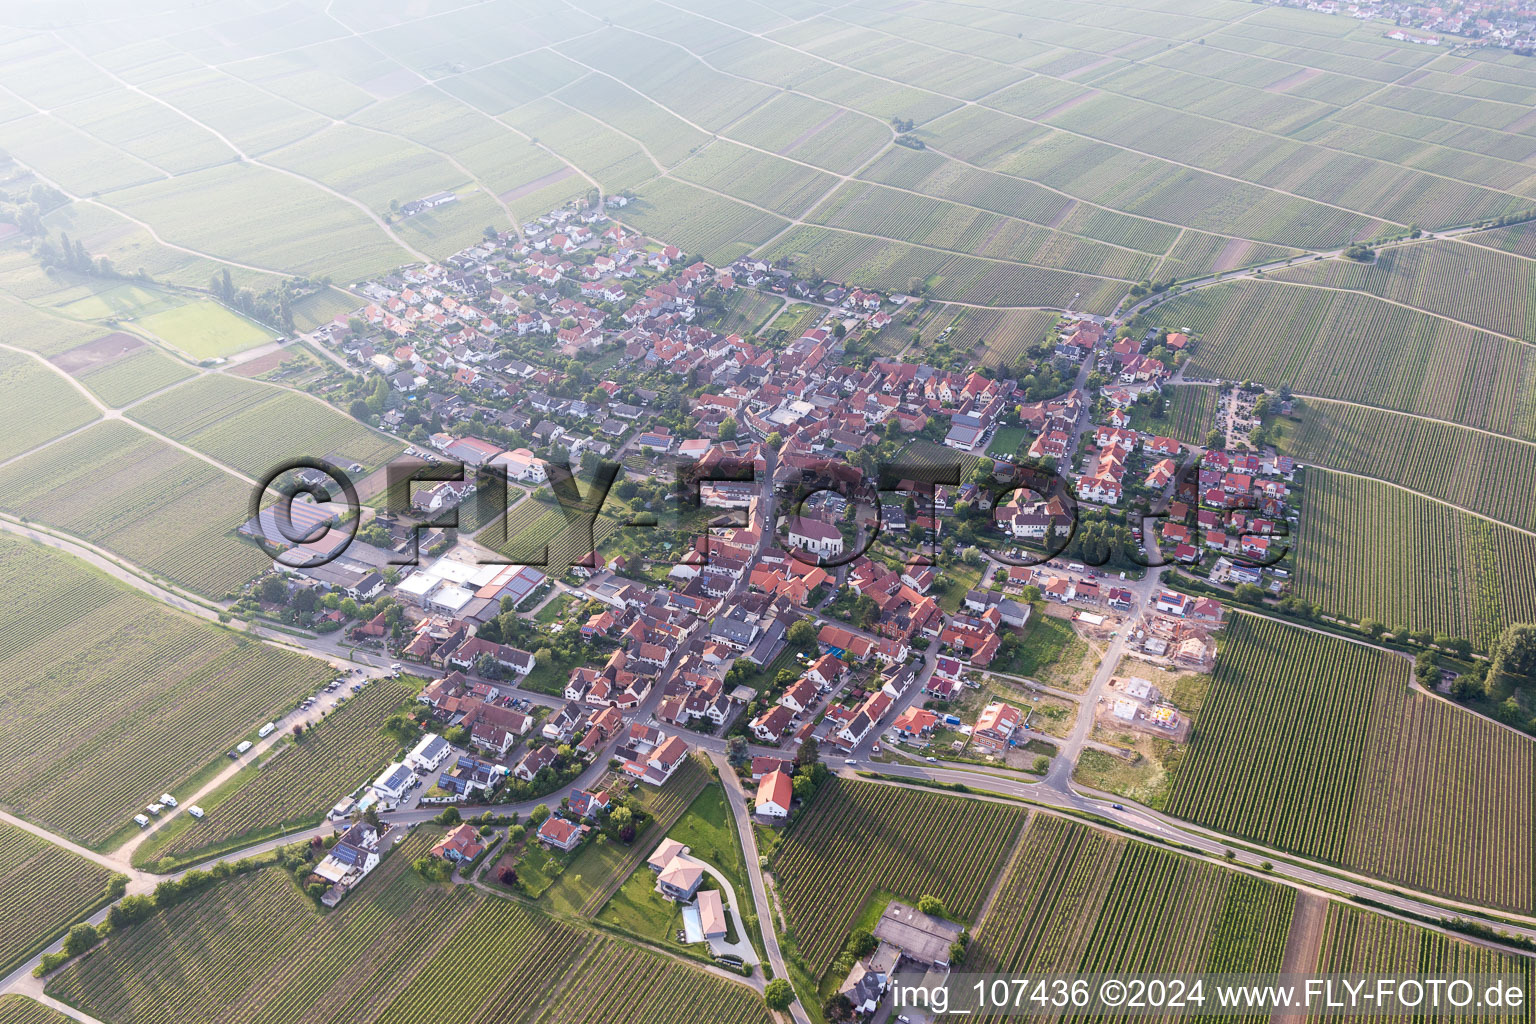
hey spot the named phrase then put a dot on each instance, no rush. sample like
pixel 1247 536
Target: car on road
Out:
pixel 1118 807
pixel 933 759
pixel 850 760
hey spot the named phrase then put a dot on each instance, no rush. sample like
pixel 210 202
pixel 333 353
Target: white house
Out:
pixel 523 466
pixel 815 536
pixel 429 753
pixel 392 784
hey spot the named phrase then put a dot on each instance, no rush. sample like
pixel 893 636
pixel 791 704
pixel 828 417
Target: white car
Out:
pixel 141 821
pixel 168 800
pixel 195 811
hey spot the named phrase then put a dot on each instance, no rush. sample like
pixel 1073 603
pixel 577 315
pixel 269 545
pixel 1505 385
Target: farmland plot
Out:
pixel 133 376
pixel 254 949
pixel 1316 745
pixel 40 404
pixel 16 1009
pixel 254 427
pixel 165 511
pixel 1076 900
pixel 146 696
pixel 1356 348
pixel 296 786
pixel 856 838
pixel 1481 472
pixel 44 890
pixel 616 979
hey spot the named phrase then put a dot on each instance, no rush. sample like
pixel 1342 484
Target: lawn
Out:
pixel 1005 443
pixel 206 330
pixel 1050 651
pixel 120 300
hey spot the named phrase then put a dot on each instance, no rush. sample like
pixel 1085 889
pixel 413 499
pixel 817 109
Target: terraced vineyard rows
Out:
pixel 161 509
pixel 1316 745
pixel 296 786
pixel 619 982
pixel 44 889
pixel 1076 900
pixel 857 838
pixel 1368 550
pixel 254 950
pixel 111 699
pixel 1485 473
pixel 1355 348
pixel 255 428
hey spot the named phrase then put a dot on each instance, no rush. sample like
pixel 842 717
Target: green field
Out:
pixel 398 951
pixel 170 513
pixel 112 699
pixel 1316 745
pixel 1188 415
pixel 254 427
pixel 134 376
pixel 857 838
pixel 1370 550
pixel 15 1009
pixel 291 788
pixel 40 404
pixel 1076 900
pixel 205 330
pixel 46 889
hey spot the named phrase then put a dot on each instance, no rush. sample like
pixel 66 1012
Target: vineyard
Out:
pixel 165 511
pixel 254 950
pixel 619 982
pixel 1368 550
pixel 255 428
pixel 40 405
pixel 857 838
pixel 45 889
pixel 1188 416
pixel 1076 900
pixel 1478 286
pixel 1356 348
pixel 132 377
pixel 15 1009
pixel 294 787
pixel 1359 943
pixel 111 699
pixel 1316 745
pixel 1000 337
pixel 1485 473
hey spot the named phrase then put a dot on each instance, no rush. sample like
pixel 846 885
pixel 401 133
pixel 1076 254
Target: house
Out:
pixel 826 670
pixel 996 725
pixel 461 844
pixel 587 804
pixel 559 834
pixel 712 920
pixel 665 760
pixel 429 753
pixel 771 725
pixel 919 722
pixel 534 761
pixel 669 849
pixel 679 880
pixel 775 793
pixel 801 696
pixel 922 938
pixel 355 854
pixel 392 784
pixel 815 536
pixel 764 765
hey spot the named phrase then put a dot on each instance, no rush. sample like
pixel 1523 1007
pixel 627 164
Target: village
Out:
pixel 793 612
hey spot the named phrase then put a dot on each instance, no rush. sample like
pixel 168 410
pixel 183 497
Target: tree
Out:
pixel 1513 662
pixel 736 751
pixel 862 943
pixel 802 635
pixel 620 817
pixel 778 994
pixel 539 815
pixel 803 787
pixel 728 429
pixel 1373 628
pixel 933 906
pixel 808 754
pixel 837 1008
pixel 80 938
pixel 508 877
pixel 1248 593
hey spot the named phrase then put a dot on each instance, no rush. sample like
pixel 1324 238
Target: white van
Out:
pixel 141 821
pixel 266 730
pixel 168 800
pixel 195 811
pixel 243 747
pixel 155 809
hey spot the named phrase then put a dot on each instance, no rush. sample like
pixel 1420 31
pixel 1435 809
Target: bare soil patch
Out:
pixel 1066 105
pixel 106 349
pixel 1232 254
pixel 537 183
pixel 1292 81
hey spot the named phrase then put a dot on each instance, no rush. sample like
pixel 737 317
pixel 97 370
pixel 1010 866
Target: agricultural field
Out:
pixel 40 404
pixel 46 889
pixel 18 1009
pixel 1189 413
pixel 119 380
pixel 1485 473
pixel 617 979
pixel 167 512
pixel 150 695
pixel 1481 287
pixel 205 330
pixel 1358 942
pixel 1370 550
pixel 255 428
pixel 1317 745
pixel 1077 900
pixel 1354 347
pixel 254 949
pixel 858 838
pixel 1001 337
pixel 291 787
